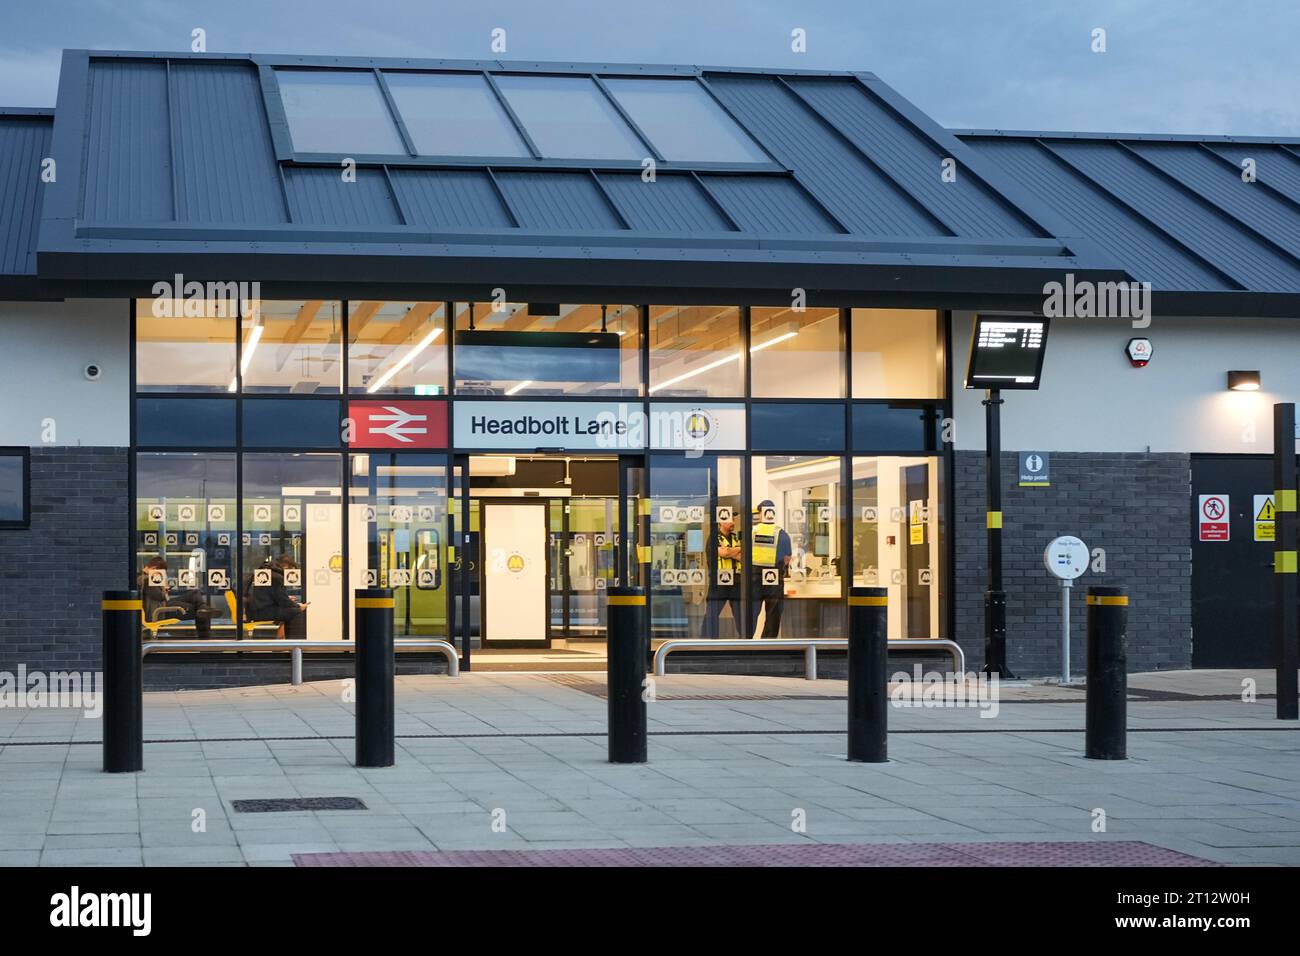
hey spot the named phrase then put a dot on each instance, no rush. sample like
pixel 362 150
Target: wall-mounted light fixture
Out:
pixel 1243 380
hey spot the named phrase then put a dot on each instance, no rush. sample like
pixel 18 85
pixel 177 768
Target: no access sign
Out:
pixel 1212 517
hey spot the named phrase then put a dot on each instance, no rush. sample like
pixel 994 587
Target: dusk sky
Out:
pixel 1195 66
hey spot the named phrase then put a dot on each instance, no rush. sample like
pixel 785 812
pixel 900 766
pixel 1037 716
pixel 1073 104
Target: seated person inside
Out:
pixel 272 601
pixel 161 602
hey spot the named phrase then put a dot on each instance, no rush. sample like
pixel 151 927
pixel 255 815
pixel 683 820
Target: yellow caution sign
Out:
pixel 1265 518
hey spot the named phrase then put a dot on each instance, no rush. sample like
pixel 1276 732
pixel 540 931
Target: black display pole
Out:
pixel 995 599
pixel 1286 541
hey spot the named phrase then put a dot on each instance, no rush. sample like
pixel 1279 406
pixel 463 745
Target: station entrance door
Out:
pixel 543 545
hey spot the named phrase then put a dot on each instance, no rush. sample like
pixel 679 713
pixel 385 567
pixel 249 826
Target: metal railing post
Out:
pixel 1106 707
pixel 625 667
pixel 123 682
pixel 295 666
pixel 868 675
pixel 375 671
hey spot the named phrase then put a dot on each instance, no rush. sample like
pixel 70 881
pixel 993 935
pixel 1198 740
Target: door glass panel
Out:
pixel 797 546
pixel 694 509
pixel 293 545
pixel 397 536
pixel 898 539
pixel 185 543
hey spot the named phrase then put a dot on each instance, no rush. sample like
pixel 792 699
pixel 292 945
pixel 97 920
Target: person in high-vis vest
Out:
pixel 724 587
pixel 769 560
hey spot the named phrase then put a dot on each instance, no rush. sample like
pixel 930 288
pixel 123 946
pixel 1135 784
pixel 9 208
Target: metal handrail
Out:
pixel 809 646
pixel 298 646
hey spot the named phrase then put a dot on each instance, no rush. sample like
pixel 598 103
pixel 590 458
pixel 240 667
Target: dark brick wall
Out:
pixel 52 574
pixel 1131 504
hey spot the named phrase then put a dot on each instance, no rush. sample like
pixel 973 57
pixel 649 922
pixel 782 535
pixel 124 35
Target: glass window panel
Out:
pixel 518 349
pixel 185 345
pixel 293 545
pixel 881 426
pixel 688 596
pixel 291 423
pixel 13 493
pixel 568 117
pixel 337 111
pixel 454 114
pixel 192 422
pixel 696 351
pixel 185 527
pixel 898 539
pixel 293 346
pixel 796 354
pixel 796 426
pixel 397 536
pixel 397 348
pixel 683 122
pixel 797 525
pixel 897 353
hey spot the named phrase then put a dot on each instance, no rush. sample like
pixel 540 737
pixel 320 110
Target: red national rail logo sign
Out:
pixel 398 423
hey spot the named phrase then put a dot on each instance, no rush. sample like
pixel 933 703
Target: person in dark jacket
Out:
pixel 160 602
pixel 273 602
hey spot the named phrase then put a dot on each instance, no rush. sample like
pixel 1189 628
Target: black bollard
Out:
pixel 123 683
pixel 374 676
pixel 868 675
pixel 1106 710
pixel 626 669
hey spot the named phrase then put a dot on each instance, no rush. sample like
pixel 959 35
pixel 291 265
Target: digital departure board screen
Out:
pixel 1006 351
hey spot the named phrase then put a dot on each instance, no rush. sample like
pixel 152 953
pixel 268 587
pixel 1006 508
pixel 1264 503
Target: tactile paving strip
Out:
pixel 1114 853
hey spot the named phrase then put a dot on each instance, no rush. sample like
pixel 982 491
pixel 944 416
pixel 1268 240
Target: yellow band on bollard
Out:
pixel 1108 600
pixel 644 507
pixel 994 519
pixel 643 554
pixel 868 602
pixel 1284 499
pixel 375 602
pixel 451 553
pixel 121 605
pixel 627 599
pixel 1284 562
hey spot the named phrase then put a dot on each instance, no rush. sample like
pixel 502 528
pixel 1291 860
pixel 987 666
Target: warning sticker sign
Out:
pixel 1265 518
pixel 1212 517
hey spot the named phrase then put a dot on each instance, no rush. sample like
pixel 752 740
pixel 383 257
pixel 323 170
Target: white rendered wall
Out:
pixel 1091 399
pixel 44 348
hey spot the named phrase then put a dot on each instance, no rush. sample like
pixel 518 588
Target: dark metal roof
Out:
pixel 1175 210
pixel 184 162
pixel 24 143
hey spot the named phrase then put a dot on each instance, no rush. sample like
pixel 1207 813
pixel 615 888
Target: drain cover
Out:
pixel 282 804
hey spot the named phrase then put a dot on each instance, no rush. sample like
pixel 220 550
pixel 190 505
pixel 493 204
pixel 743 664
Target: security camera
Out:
pixel 92 372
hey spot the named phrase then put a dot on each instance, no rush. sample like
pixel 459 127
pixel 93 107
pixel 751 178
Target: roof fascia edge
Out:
pixel 59 199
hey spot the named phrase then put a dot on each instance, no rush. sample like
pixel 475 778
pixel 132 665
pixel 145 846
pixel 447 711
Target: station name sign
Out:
pixel 596 426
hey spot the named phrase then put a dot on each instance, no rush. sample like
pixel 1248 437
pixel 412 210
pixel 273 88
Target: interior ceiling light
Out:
pixel 404 361
pixel 250 346
pixel 718 363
